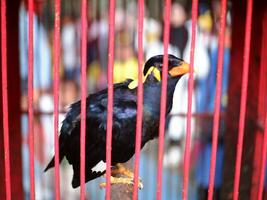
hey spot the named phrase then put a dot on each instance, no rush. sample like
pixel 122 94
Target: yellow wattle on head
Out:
pixel 153 70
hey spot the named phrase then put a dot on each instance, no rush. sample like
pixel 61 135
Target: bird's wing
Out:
pixel 124 113
pixel 96 107
pixel 124 109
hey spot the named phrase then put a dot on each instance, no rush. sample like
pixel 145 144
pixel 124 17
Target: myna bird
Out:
pixel 124 122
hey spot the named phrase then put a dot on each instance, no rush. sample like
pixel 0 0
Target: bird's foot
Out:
pixel 122 180
pixel 121 170
pixel 116 177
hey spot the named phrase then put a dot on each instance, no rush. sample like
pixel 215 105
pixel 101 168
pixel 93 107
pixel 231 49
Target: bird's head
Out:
pixel 177 67
pixel 153 69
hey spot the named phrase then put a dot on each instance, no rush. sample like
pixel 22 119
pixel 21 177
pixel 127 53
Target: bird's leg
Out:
pixel 121 170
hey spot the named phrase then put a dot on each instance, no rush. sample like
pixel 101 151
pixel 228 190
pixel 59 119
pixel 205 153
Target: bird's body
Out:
pixel 123 129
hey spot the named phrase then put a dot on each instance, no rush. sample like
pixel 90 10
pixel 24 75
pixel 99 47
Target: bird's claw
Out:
pixel 103 185
pixel 140 184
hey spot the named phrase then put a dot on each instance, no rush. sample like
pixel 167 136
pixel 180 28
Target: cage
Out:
pixel 239 154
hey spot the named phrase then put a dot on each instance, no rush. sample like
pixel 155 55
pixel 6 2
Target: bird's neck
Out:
pixel 152 94
pixel 170 91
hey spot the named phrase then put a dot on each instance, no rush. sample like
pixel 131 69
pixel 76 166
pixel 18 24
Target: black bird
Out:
pixel 124 121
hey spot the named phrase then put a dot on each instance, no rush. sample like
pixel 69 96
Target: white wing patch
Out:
pixel 99 167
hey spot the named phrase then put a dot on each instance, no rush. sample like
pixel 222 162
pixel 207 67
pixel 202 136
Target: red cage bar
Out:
pixel 56 94
pixel 243 98
pixel 5 99
pixel 30 99
pixel 83 96
pixel 163 99
pixel 189 102
pixel 111 35
pixel 139 97
pixel 262 110
pixel 216 118
pixel 263 162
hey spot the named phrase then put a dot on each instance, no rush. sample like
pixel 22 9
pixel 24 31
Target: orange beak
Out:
pixel 180 70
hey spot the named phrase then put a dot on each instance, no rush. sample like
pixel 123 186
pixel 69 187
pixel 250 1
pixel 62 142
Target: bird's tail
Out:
pixel 62 147
pixel 68 124
pixel 52 162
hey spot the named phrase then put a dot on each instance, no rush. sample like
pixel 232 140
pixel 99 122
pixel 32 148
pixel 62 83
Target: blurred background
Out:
pixel 126 66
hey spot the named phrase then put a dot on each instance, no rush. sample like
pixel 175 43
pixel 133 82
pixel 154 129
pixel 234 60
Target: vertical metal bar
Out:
pixel 30 99
pixel 216 117
pixel 262 110
pixel 5 99
pixel 163 100
pixel 243 98
pixel 83 96
pixel 189 102
pixel 56 94
pixel 139 97
pixel 111 35
pixel 263 161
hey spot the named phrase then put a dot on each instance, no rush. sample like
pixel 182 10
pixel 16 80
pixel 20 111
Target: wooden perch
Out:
pixel 122 191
